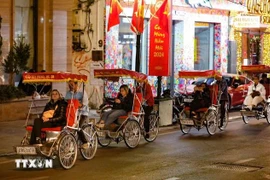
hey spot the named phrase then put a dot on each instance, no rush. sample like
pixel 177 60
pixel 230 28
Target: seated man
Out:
pixel 202 98
pixel 256 94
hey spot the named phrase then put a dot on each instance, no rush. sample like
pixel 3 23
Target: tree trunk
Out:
pixel 11 79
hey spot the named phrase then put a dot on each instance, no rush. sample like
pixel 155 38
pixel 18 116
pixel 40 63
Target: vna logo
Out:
pixel 34 163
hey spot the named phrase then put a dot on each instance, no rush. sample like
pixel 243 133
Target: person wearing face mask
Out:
pixel 122 105
pixel 256 94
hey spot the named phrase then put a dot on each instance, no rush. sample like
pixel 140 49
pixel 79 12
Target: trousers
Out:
pixel 36 131
pixel 110 116
pixel 249 101
pixel 147 111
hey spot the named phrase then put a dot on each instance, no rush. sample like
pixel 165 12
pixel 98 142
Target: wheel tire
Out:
pixel 103 140
pixel 67 151
pixel 154 127
pixel 211 122
pixel 226 118
pixel 184 128
pixel 91 138
pixel 267 113
pixel 132 133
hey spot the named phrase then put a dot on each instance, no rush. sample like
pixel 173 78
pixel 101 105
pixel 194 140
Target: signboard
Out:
pixel 258 6
pixel 246 21
pixel 265 19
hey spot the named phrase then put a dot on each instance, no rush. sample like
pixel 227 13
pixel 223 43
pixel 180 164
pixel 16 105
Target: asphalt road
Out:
pixel 239 152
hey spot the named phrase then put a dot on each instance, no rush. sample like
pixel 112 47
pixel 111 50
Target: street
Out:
pixel 239 152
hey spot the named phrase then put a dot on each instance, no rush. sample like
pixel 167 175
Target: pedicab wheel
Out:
pixel 226 118
pixel 132 133
pixel 91 138
pixel 267 116
pixel 184 128
pixel 245 119
pixel 103 140
pixel 67 151
pixel 211 122
pixel 153 129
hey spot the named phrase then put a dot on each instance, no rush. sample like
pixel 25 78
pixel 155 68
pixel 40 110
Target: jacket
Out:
pixel 59 116
pixel 147 94
pixel 259 88
pixel 126 102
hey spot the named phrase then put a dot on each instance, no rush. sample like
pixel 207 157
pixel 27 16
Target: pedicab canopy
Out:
pixel 256 69
pixel 52 77
pixel 198 73
pixel 114 74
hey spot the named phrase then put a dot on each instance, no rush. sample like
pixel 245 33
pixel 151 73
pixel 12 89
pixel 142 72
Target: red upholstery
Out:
pixel 202 110
pixel 29 128
pixel 187 108
pixel 214 93
pixel 137 102
pixel 122 117
pixel 73 105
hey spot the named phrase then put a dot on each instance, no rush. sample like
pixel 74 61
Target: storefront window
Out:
pixel 204 46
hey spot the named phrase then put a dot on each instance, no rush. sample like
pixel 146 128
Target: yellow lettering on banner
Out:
pixel 159 41
pixel 157 27
pixel 160 48
pixel 159 34
pixel 158 68
pixel 258 6
pixel 159 54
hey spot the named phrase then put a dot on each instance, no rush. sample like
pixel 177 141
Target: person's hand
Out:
pixel 45 119
pixel 80 105
pixel 117 101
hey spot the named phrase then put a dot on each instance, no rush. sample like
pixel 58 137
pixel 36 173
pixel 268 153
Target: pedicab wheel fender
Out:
pixel 211 122
pixel 153 129
pixel 267 113
pixel 103 141
pixel 67 150
pixel 91 137
pixel 132 133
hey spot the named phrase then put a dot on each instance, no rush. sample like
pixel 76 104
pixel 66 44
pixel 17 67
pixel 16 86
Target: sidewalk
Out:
pixel 12 132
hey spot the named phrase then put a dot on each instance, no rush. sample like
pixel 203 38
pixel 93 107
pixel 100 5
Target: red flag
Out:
pixel 162 14
pixel 137 22
pixel 115 11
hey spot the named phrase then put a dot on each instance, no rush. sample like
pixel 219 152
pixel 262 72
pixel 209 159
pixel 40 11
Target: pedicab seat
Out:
pixel 187 108
pixel 202 110
pixel 72 107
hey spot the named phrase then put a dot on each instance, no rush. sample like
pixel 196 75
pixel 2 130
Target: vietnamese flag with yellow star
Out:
pixel 137 22
pixel 162 14
pixel 115 11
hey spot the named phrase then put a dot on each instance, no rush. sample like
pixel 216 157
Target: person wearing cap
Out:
pixel 256 94
pixel 224 96
pixel 264 79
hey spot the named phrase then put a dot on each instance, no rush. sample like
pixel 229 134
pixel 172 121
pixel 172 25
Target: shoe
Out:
pixel 247 109
pixel 38 142
pixel 85 146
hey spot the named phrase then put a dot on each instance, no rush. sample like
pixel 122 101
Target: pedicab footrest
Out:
pixel 29 128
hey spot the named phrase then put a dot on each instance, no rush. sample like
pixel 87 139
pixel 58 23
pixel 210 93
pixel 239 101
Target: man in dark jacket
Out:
pixel 224 97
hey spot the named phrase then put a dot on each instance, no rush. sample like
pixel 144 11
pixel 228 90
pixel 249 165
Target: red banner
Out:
pixel 52 77
pixel 159 43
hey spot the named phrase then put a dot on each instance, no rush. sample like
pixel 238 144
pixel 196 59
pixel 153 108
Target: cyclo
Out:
pixel 208 117
pixel 59 142
pixel 262 110
pixel 128 128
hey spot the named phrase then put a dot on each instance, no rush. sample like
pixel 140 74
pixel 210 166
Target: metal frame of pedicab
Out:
pixel 132 127
pixel 62 142
pixel 210 116
pixel 257 113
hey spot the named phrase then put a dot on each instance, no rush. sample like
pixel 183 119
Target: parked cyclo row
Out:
pixel 59 132
pixel 63 141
